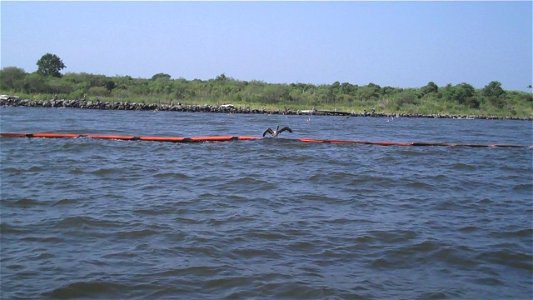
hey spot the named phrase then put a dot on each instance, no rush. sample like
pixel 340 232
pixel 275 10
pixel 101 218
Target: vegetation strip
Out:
pixel 227 138
pixel 47 86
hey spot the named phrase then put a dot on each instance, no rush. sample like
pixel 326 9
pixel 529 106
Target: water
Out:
pixel 269 219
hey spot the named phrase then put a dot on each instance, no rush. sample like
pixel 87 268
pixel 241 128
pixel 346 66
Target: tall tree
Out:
pixel 431 87
pixel 493 89
pixel 161 75
pixel 50 65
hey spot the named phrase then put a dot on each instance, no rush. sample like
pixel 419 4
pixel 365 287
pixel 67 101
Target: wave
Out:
pixel 44 239
pixel 84 222
pixel 509 258
pixel 519 233
pixel 19 170
pixel 23 203
pixel 426 252
pixel 393 236
pixel 448 205
pixel 371 180
pixel 6 228
pixel 329 177
pixel 66 201
pixel 263 234
pixel 105 171
pixel 231 219
pixel 136 234
pixel 250 253
pixel 528 187
pixel 418 185
pixel 246 183
pixel 203 271
pixel 171 175
pixel 463 167
pixel 89 289
pixel 318 197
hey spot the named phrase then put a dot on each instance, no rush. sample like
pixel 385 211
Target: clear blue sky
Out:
pixel 400 44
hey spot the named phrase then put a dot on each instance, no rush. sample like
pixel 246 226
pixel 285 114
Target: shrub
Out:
pixel 35 83
pixel 12 78
pixel 98 91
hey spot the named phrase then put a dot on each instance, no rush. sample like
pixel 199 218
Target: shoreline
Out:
pixel 12 101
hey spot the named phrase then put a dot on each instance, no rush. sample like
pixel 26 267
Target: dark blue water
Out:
pixel 269 219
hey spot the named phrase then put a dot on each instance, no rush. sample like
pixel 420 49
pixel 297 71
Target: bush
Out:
pixel 430 88
pixel 493 89
pixel 12 78
pixel 98 91
pixel 35 83
pixel 161 76
pixel 406 97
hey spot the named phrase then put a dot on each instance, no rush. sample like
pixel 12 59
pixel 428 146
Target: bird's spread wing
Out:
pixel 285 129
pixel 269 130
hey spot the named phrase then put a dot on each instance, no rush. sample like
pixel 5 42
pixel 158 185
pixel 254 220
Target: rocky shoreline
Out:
pixel 13 101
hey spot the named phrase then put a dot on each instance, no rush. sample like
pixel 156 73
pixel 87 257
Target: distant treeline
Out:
pixel 161 88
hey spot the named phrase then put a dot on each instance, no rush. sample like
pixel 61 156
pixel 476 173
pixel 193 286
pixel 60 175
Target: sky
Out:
pixel 399 44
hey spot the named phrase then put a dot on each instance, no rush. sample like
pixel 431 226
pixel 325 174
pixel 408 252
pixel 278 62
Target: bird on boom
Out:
pixel 275 133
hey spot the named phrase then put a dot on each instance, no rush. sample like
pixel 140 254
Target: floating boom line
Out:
pixel 227 138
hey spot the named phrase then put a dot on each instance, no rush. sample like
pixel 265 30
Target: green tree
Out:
pixel 462 92
pixel 221 77
pixel 347 88
pixel 374 86
pixel 12 78
pixel 431 87
pixel 110 85
pixel 493 89
pixel 388 90
pixel 161 75
pixel 465 94
pixel 50 65
pixel 370 92
pixel 335 86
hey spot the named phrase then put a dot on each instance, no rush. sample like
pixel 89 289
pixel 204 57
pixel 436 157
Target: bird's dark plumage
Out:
pixel 275 133
pixel 269 130
pixel 285 129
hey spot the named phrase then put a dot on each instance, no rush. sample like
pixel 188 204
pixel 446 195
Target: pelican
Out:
pixel 275 133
